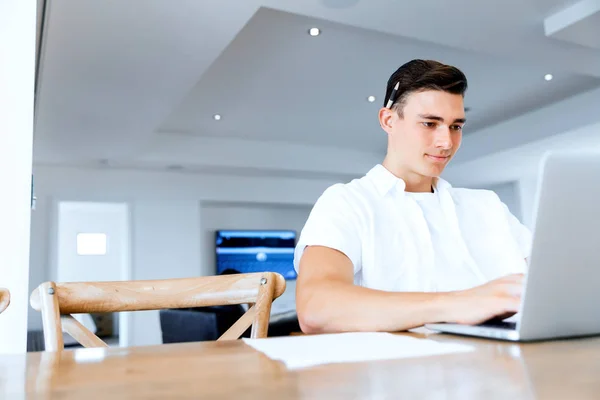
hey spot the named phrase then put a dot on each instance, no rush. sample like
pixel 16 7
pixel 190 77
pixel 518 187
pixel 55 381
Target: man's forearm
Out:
pixel 340 307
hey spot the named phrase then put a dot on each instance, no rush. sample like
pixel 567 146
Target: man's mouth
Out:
pixel 437 158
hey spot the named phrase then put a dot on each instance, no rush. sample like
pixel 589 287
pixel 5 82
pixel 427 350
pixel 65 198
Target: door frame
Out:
pixel 126 273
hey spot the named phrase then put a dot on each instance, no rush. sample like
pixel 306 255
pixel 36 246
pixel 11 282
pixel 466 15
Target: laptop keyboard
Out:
pixel 500 325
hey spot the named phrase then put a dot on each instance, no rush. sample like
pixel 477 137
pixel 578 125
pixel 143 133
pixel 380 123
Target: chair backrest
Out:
pixel 57 301
pixel 4 299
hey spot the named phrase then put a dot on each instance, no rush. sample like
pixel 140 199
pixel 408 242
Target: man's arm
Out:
pixel 328 301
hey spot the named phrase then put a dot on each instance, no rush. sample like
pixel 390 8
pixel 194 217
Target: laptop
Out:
pixel 562 286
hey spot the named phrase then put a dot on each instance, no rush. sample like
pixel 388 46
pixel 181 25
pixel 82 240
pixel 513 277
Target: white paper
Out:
pixel 311 350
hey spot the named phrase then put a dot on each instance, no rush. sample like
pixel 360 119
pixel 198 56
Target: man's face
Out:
pixel 428 135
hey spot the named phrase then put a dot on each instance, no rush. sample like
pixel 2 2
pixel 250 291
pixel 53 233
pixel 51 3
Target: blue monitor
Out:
pixel 247 251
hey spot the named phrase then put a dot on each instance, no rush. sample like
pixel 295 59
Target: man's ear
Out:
pixel 386 118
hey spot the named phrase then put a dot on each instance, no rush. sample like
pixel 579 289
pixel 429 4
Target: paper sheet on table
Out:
pixel 311 350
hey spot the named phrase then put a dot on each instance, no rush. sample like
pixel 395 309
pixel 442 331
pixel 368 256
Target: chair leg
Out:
pixel 260 325
pixel 53 338
pixel 80 332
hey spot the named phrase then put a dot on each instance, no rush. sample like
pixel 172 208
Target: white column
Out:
pixel 17 72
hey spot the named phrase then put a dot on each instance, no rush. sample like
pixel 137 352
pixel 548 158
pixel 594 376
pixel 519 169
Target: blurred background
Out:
pixel 179 138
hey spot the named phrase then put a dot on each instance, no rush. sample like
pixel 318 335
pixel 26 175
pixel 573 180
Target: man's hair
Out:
pixel 421 75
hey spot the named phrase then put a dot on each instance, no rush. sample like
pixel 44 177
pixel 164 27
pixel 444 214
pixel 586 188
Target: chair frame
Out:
pixel 57 301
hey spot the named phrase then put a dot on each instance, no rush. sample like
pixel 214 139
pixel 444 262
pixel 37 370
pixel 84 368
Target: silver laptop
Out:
pixel 562 287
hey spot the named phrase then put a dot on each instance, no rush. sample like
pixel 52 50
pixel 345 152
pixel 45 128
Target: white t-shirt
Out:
pixel 398 241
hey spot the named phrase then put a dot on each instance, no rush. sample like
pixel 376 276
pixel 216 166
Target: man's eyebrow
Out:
pixel 438 118
pixel 431 116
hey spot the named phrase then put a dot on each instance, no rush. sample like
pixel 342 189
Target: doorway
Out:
pixel 93 244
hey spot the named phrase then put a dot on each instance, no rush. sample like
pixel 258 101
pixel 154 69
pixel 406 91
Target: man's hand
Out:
pixel 499 298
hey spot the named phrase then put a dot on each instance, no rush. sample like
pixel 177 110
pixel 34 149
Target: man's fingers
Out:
pixel 513 290
pixel 506 315
pixel 511 305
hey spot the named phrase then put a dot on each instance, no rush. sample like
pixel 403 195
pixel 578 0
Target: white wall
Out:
pixel 166 237
pixel 17 69
pixel 167 218
pixel 510 195
pixel 528 187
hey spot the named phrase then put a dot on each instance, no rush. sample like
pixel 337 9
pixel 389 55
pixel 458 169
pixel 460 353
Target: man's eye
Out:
pixel 428 124
pixel 456 127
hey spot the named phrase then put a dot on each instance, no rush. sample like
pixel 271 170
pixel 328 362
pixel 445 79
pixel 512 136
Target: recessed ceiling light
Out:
pixel 217 117
pixel 314 32
pixel 548 77
pixel 371 99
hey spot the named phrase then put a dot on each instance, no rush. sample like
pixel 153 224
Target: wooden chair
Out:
pixel 4 299
pixel 57 301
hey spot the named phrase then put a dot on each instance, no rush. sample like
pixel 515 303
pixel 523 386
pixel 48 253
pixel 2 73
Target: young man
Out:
pixel 401 247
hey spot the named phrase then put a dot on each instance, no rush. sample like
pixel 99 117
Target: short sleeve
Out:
pixel 520 233
pixel 333 222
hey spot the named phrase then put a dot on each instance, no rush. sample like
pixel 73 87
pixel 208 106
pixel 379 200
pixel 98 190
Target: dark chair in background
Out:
pixel 199 324
pixel 209 323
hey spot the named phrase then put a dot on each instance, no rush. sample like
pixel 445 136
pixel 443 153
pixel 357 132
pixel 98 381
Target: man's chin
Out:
pixel 434 171
pixel 436 168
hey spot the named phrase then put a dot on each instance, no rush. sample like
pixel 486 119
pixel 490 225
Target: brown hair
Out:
pixel 421 75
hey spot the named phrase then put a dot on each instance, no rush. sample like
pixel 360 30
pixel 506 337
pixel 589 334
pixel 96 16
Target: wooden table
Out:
pixel 552 370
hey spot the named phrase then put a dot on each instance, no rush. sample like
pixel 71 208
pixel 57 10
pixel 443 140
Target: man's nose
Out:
pixel 443 138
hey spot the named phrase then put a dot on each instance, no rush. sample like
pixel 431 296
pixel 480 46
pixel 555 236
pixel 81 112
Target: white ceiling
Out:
pixel 137 82
pixel 274 82
pixel 577 23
